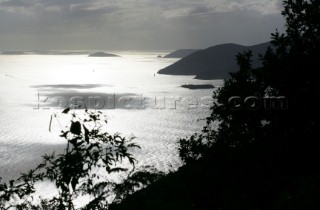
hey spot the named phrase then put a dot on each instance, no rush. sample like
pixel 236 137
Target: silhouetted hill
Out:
pixel 214 62
pixel 102 54
pixel 181 53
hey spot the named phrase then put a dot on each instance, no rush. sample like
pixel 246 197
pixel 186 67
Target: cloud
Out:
pixel 16 6
pixel 178 7
pixel 136 23
pixel 14 3
pixel 201 10
pixel 84 11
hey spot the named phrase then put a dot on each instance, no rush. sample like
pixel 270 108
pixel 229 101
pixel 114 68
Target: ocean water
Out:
pixel 159 112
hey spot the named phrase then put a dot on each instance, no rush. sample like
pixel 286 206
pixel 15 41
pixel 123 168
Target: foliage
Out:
pixel 288 69
pixel 271 150
pixel 237 125
pixel 136 181
pixel 90 155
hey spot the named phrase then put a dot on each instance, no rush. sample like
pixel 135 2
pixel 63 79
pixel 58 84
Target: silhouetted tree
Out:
pixel 288 70
pixel 265 122
pixel 277 129
pixel 91 155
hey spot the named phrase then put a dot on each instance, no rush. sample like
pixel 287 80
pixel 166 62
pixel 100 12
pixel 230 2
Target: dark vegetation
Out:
pixel 91 155
pixel 258 157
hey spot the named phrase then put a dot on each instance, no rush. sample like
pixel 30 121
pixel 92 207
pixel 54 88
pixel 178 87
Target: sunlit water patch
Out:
pixel 160 112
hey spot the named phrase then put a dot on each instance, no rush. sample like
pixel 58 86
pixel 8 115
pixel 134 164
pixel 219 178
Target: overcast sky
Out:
pixel 135 24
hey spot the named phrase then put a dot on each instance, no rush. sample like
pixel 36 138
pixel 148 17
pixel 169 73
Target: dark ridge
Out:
pixel 194 87
pixel 102 54
pixel 181 53
pixel 215 62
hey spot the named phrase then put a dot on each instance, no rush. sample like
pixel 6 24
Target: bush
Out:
pixel 90 156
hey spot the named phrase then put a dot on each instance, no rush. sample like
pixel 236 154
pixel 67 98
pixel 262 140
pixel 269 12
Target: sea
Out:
pixel 127 89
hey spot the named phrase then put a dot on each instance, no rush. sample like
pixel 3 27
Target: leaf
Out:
pixel 132 161
pixel 66 111
pixel 64 135
pixel 50 124
pixel 134 145
pixel 74 183
pixel 74 141
pixel 86 134
pixel 75 128
pixel 118 169
pixel 11 183
pixel 94 117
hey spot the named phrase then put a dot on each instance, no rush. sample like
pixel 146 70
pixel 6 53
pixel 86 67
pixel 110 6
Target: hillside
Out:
pixel 232 180
pixel 181 53
pixel 214 62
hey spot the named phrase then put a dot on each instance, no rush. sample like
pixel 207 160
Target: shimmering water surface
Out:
pixel 160 112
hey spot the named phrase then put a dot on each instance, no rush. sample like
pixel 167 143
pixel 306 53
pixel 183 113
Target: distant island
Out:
pixel 180 53
pixel 102 54
pixel 13 53
pixel 55 52
pixel 195 87
pixel 214 62
pixel 44 52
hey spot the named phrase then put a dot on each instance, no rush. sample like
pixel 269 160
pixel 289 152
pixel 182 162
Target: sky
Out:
pixel 135 24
